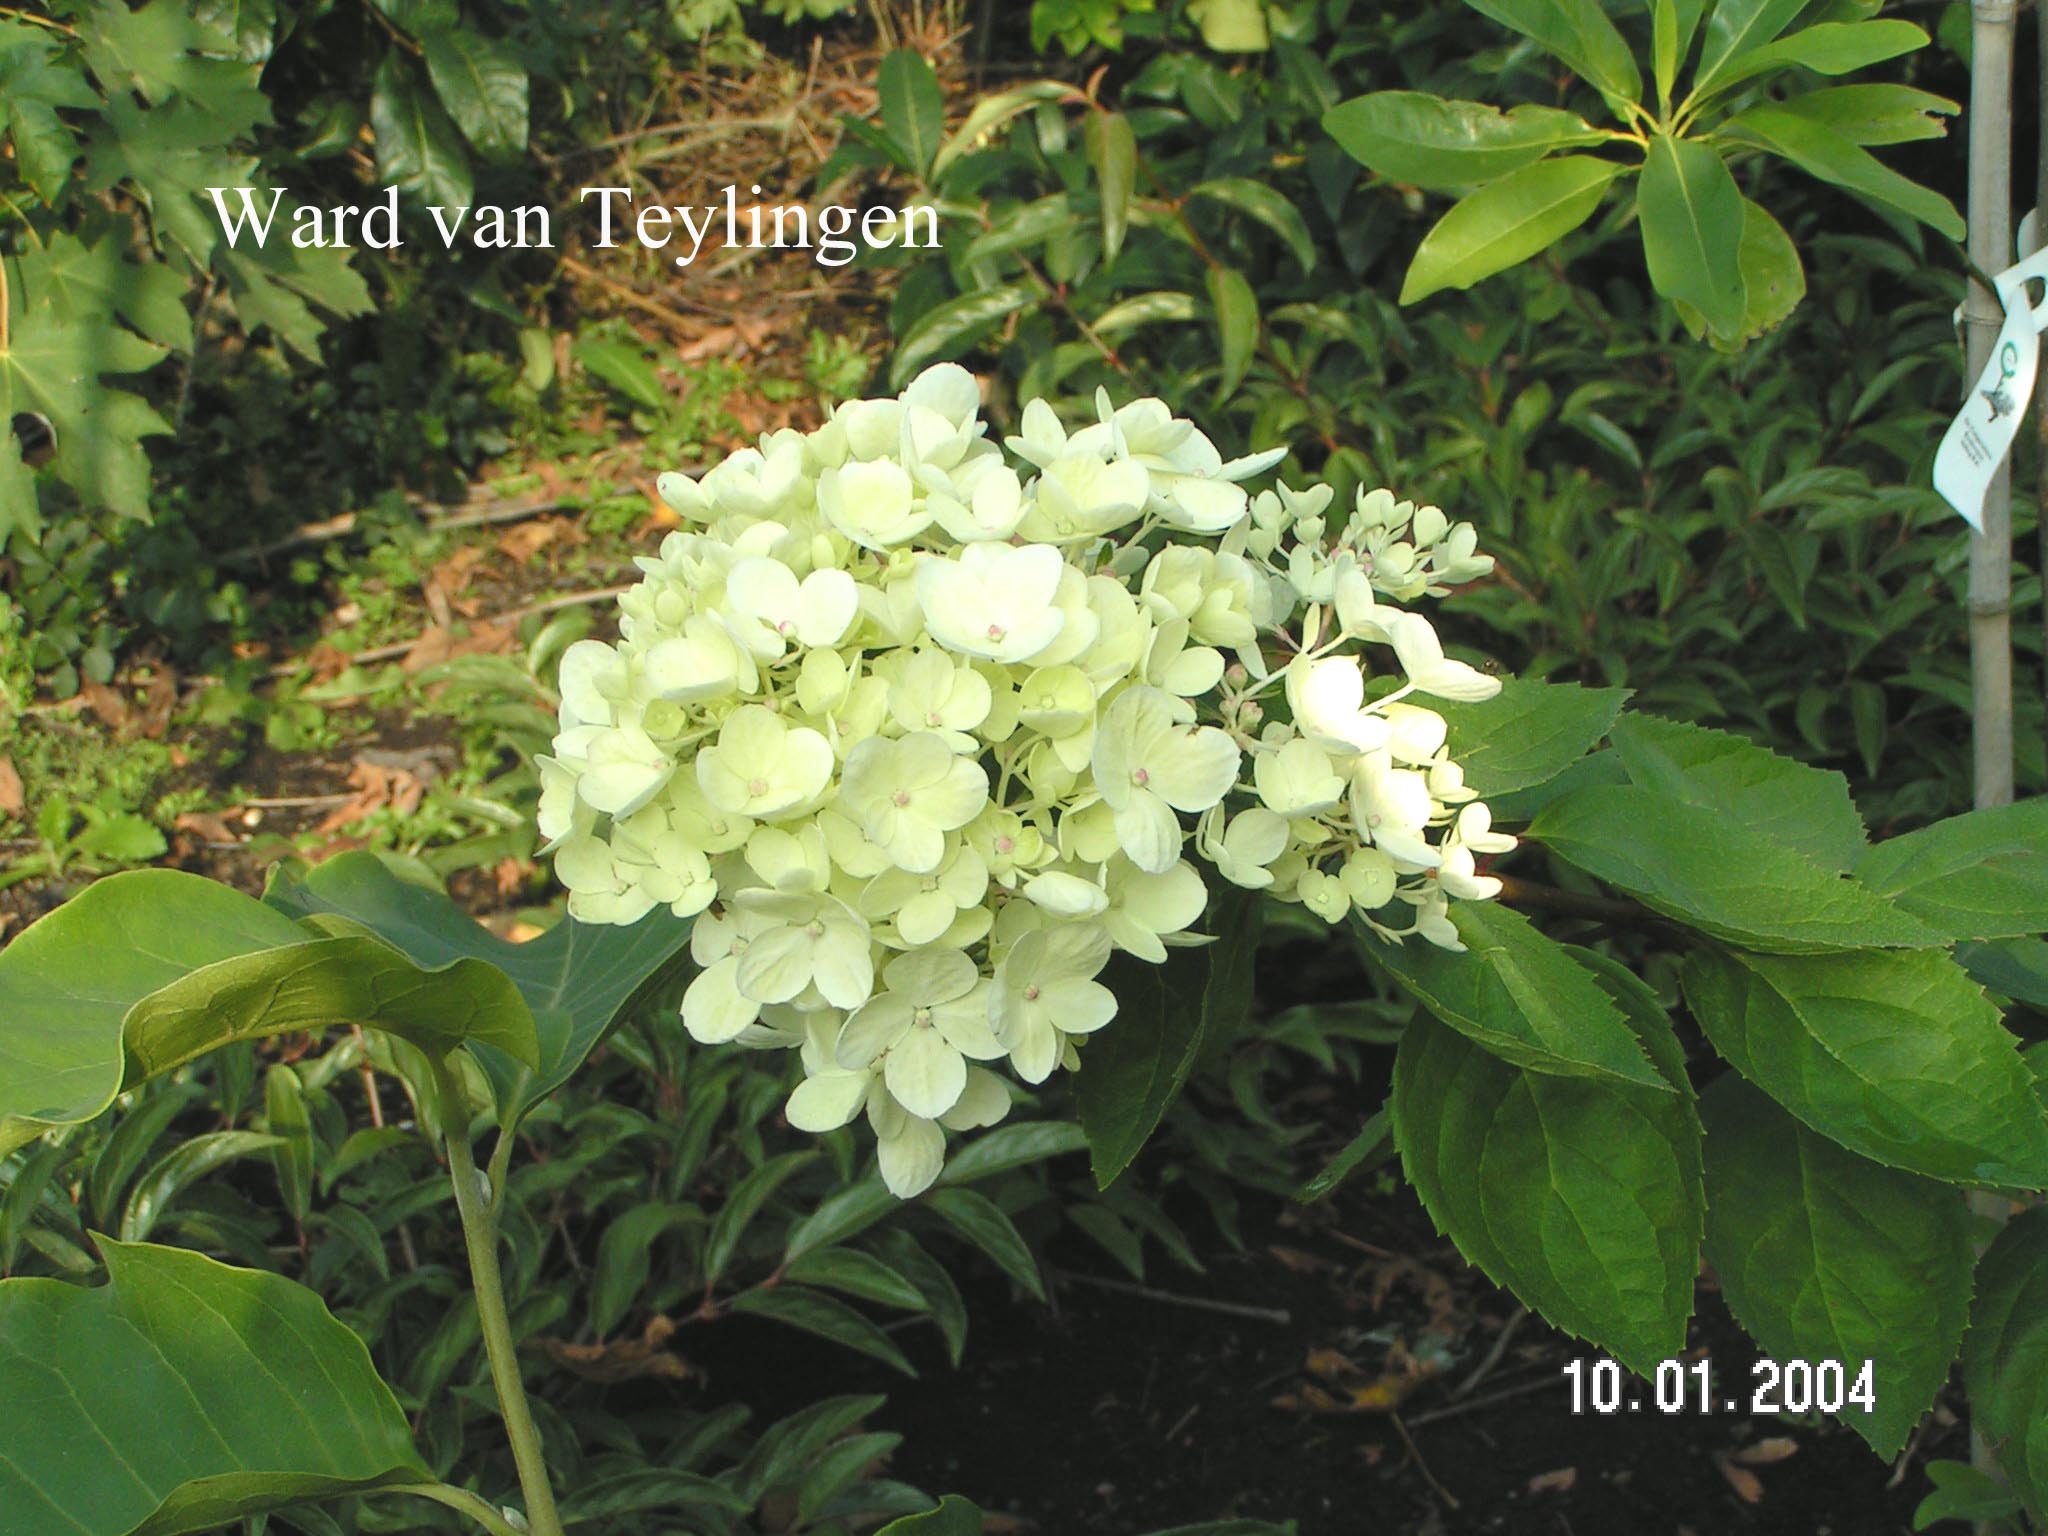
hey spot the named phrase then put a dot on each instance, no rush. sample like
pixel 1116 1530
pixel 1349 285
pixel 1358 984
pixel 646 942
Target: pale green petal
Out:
pixel 925 1073
pixel 713 1009
pixel 912 1158
pixel 871 1031
pixel 1079 1007
pixel 1149 831
pixel 827 1102
pixel 1195 769
pixel 776 966
pixel 984 1102
pixel 929 976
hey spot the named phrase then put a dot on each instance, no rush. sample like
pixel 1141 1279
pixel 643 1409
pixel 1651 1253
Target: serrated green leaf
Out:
pixel 90 283
pixel 1828 157
pixel 165 49
pixel 34 83
pixel 1425 141
pixel 2005 1355
pixel 1519 994
pixel 1824 1255
pixel 1777 797
pixel 1898 1057
pixel 2014 968
pixel 1581 1195
pixel 1507 221
pixel 1711 871
pixel 482 84
pixel 1528 733
pixel 1690 215
pixel 1980 875
pixel 238 1393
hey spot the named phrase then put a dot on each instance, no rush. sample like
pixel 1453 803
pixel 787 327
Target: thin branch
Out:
pixel 1174 1298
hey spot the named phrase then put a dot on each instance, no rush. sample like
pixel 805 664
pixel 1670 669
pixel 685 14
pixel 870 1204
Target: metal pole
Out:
pixel 1990 599
pixel 1991 63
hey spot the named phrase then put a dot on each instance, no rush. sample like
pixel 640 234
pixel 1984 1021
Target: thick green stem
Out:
pixel 469 1504
pixel 480 1235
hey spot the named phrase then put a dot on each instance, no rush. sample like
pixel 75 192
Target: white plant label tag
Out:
pixel 1982 434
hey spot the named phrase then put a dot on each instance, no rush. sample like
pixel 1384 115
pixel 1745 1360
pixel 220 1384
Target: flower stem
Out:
pixel 480 1235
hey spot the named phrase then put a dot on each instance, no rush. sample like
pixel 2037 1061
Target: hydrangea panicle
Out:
pixel 921 734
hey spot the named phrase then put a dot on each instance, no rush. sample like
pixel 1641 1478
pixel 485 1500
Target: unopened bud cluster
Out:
pixel 920 733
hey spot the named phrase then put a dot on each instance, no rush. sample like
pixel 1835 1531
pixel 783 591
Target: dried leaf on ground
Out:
pixel 1764 1452
pixel 13 798
pixel 1559 1481
pixel 439 643
pixel 1745 1482
pixel 624 1359
pixel 376 787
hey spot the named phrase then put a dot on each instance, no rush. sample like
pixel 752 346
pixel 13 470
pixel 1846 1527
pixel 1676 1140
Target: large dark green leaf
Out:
pixel 577 978
pixel 1133 1071
pixel 1824 1255
pixel 419 150
pixel 1828 157
pixel 1710 870
pixel 1425 141
pixel 1581 1195
pixel 482 85
pixel 1507 221
pixel 1528 733
pixel 1519 994
pixel 1831 48
pixel 1691 218
pixel 1981 875
pixel 1875 114
pixel 180 1396
pixel 1896 1056
pixel 1786 801
pixel 2005 1356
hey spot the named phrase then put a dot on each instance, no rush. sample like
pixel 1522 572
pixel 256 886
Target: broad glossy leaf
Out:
pixel 1736 26
pixel 1827 156
pixel 954 1516
pixel 1579 33
pixel 577 978
pixel 1709 870
pixel 913 108
pixel 482 84
pixel 1268 206
pixel 1824 1255
pixel 1773 277
pixel 1113 152
pixel 1673 24
pixel 69 981
pixel 1980 875
pixel 947 330
pixel 1528 733
pixel 419 150
pixel 2005 1355
pixel 1831 48
pixel 1507 221
pixel 1131 1074
pixel 1519 994
pixel 183 1395
pixel 1581 1195
pixel 1426 141
pixel 1236 309
pixel 1777 797
pixel 1875 114
pixel 1690 215
pixel 1898 1057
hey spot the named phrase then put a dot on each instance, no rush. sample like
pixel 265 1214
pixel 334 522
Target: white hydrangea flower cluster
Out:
pixel 924 733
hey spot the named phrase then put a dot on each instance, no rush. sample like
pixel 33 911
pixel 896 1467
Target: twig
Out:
pixel 1475 1404
pixel 1414 1455
pixel 292 802
pixel 399 648
pixel 1493 1356
pixel 1199 1303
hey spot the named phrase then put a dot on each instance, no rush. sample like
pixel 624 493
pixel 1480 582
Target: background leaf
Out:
pixel 1507 221
pixel 1425 141
pixel 1691 218
pixel 2005 1356
pixel 1980 875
